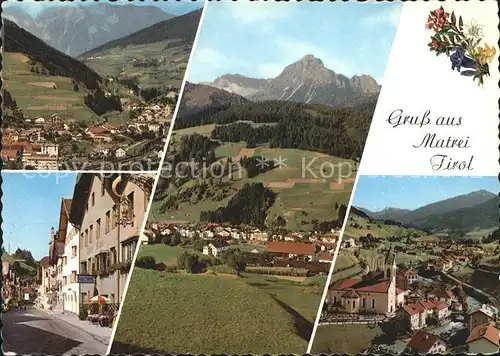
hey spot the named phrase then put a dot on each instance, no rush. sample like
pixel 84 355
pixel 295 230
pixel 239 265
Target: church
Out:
pixel 374 293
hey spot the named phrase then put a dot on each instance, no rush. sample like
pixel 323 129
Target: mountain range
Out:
pixel 61 27
pixel 469 212
pixel 304 81
pixel 155 56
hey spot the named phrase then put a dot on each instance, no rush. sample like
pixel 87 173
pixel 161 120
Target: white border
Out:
pixel 158 173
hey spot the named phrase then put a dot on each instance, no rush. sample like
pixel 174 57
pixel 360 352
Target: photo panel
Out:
pixel 418 269
pixel 68 244
pixel 257 176
pixel 439 102
pixel 92 85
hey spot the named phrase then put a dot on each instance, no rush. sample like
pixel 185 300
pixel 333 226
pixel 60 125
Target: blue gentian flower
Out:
pixel 459 60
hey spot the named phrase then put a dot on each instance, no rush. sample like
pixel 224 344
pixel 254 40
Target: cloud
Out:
pixel 388 16
pixel 292 50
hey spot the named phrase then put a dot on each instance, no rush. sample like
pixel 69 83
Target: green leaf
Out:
pixel 460 23
pixel 453 18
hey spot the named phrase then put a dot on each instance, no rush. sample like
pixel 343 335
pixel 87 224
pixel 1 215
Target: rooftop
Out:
pixel 422 341
pixel 486 331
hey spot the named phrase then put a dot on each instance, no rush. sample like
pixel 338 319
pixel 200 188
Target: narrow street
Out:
pixel 36 332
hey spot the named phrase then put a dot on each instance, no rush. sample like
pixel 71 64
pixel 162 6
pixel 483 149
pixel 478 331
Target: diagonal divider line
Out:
pixel 158 175
pixel 332 266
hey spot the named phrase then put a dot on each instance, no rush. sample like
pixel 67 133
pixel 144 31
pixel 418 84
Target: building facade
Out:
pixel 44 292
pixel 371 295
pixel 108 212
pixel 70 292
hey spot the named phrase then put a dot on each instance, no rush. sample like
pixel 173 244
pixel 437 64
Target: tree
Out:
pixel 190 263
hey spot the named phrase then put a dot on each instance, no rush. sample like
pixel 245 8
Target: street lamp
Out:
pixel 124 217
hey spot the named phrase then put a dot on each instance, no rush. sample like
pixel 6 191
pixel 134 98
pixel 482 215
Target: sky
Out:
pixel 31 206
pixel 378 192
pixel 34 7
pixel 259 39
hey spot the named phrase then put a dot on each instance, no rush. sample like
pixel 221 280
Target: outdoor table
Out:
pixel 104 320
pixel 93 318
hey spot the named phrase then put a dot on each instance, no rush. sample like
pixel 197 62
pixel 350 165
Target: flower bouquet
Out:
pixel 462 44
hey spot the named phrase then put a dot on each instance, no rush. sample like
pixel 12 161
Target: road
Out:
pixel 35 332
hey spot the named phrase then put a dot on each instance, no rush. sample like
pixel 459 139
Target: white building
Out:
pixel 120 152
pixel 215 248
pixel 70 263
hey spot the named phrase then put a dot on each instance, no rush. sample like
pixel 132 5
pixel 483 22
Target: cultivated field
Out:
pixel 308 184
pixel 40 95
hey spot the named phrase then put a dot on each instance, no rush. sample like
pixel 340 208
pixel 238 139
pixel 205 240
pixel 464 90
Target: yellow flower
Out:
pixel 486 54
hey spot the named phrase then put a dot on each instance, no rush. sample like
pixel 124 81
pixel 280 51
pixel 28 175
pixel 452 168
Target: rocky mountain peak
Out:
pixel 365 84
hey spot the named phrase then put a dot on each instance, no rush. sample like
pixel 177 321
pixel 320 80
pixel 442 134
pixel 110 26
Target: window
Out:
pixel 65 280
pixel 373 303
pixel 91 232
pixel 102 260
pixel 363 301
pixel 114 216
pixel 81 239
pixel 128 251
pixel 73 276
pixel 354 304
pixel 86 237
pixel 83 268
pixel 93 199
pixel 107 222
pixel 113 255
pixel 73 251
pixel 98 229
pixel 334 299
pixel 103 188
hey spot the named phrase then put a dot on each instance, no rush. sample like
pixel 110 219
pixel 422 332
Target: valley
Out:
pixel 63 112
pixel 304 156
pixel 438 261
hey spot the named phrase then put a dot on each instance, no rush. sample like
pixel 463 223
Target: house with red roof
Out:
pixel 415 314
pixel 444 295
pixel 406 277
pixel 426 343
pixel 291 249
pixel 99 133
pixel 484 339
pixel 375 293
pixel 481 316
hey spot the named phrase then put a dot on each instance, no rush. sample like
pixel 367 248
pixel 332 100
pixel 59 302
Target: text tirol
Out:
pixel 442 162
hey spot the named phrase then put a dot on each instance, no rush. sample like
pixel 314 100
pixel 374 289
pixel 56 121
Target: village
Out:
pixel 80 284
pixel 55 143
pixel 417 306
pixel 213 239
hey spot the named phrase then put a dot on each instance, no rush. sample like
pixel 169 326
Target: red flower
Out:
pixel 437 19
pixel 435 44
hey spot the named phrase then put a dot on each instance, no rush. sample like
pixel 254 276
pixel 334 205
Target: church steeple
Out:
pixel 390 264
